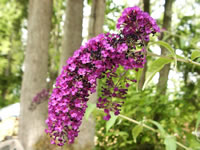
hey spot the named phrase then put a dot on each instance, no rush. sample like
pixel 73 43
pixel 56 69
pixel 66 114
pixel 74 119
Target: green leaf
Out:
pixel 89 2
pixel 198 122
pixel 136 131
pixel 182 43
pixel 160 128
pixel 111 122
pixel 195 54
pixel 180 57
pixel 168 47
pixel 155 67
pixel 170 142
pixel 89 110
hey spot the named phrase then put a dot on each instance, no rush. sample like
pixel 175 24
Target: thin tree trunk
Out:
pixel 162 84
pixel 72 37
pixel 96 21
pixel 32 123
pixel 146 6
pixel 85 139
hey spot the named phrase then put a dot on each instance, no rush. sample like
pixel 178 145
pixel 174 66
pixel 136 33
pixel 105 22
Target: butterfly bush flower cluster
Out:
pixel 98 58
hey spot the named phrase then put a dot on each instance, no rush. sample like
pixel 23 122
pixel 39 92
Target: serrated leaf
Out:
pixel 111 122
pixel 195 54
pixel 168 47
pixel 155 67
pixel 170 142
pixel 136 131
pixel 89 110
pixel 160 128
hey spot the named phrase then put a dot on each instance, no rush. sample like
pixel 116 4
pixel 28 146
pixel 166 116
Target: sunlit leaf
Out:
pixel 89 110
pixel 155 67
pixel 170 142
pixel 89 2
pixel 160 128
pixel 168 47
pixel 195 54
pixel 180 57
pixel 136 131
pixel 111 122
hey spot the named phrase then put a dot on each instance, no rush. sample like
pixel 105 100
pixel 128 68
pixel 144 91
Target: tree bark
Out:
pixel 146 7
pixel 72 37
pixel 85 140
pixel 96 21
pixel 162 83
pixel 32 123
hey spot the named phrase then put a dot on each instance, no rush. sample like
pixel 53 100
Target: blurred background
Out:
pixel 38 36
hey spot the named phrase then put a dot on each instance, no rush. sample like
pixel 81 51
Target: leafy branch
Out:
pixel 158 64
pixel 169 140
pixel 150 128
pixel 179 58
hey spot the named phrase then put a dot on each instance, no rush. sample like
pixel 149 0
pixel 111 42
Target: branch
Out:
pixel 150 128
pixel 147 127
pixel 189 61
pixel 138 123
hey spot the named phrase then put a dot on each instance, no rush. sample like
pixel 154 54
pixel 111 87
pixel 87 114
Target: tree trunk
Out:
pixel 162 84
pixel 96 21
pixel 85 139
pixel 72 37
pixel 146 6
pixel 32 123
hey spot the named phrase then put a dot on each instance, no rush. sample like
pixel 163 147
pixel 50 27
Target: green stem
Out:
pixel 138 123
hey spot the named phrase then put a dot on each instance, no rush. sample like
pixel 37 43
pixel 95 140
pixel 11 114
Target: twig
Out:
pixel 138 123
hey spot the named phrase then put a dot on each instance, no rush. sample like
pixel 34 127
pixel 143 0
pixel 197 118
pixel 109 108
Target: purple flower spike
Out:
pixel 98 58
